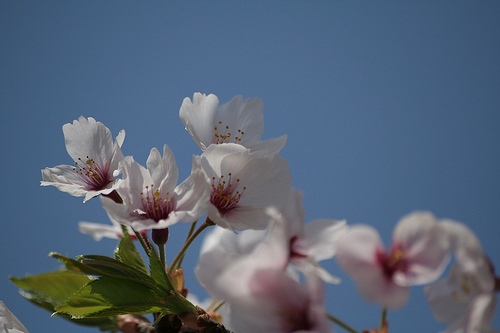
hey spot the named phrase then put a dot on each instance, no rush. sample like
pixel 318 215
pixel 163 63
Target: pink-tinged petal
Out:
pixel 199 117
pixel 482 313
pixel 267 181
pixel 278 303
pixel 413 231
pixel 163 170
pixel 321 237
pixel 356 250
pixel 192 196
pixel 445 306
pixel 272 146
pixel 122 214
pixel 9 322
pixel 135 178
pixel 308 264
pixel 64 178
pixel 98 230
pixel 240 218
pixel 374 286
pixel 86 137
pixel 468 252
pixel 425 249
pixel 220 249
pixel 246 116
pixel 219 159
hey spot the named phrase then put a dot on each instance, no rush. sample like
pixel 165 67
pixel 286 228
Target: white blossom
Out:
pixel 96 157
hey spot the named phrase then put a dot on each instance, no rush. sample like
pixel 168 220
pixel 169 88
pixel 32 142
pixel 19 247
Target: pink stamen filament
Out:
pixel 154 205
pixel 92 174
pixel 225 195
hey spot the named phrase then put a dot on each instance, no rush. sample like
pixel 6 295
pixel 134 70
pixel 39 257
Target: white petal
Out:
pixel 65 179
pixel 199 117
pixel 356 250
pixel 99 230
pixel 425 247
pixel 192 196
pixel 321 236
pixel 86 137
pixel 164 171
pixel 9 322
pixel 445 307
pixel 247 116
pixel 481 313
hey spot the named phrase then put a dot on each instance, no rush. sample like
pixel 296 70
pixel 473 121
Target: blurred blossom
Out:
pixel 221 248
pixel 312 242
pixel 239 121
pixel 261 294
pixel 418 255
pixel 96 157
pixel 466 299
pixel 243 185
pixel 150 196
pixel 278 303
pixel 9 322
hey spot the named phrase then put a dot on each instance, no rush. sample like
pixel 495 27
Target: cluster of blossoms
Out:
pixel 260 262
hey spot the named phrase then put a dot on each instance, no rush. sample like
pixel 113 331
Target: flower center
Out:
pixel 295 253
pixel 464 285
pixel 156 207
pixel 395 261
pixel 223 135
pixel 225 194
pixel 92 174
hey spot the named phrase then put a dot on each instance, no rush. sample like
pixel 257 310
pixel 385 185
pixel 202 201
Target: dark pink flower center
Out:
pixel 294 252
pixel 95 176
pixel 393 261
pixel 155 206
pixel 225 194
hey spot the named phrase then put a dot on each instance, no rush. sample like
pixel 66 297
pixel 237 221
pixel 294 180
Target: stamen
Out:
pixel 465 285
pixel 223 135
pixel 225 195
pixel 94 176
pixel 155 206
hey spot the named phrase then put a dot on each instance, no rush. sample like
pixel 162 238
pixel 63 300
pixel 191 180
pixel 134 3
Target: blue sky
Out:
pixel 389 107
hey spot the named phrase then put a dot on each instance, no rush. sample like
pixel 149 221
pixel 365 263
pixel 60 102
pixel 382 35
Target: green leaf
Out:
pixel 109 296
pixel 50 290
pixel 158 272
pixel 127 253
pixel 105 266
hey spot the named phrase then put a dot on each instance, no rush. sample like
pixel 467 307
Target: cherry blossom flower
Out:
pixel 418 255
pixel 221 248
pixel 263 297
pixel 96 157
pixel 238 121
pixel 310 243
pixel 9 322
pixel 151 199
pixel 466 299
pixel 243 185
pixel 278 303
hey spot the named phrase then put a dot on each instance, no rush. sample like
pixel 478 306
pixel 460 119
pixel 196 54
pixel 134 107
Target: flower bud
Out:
pixel 160 236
